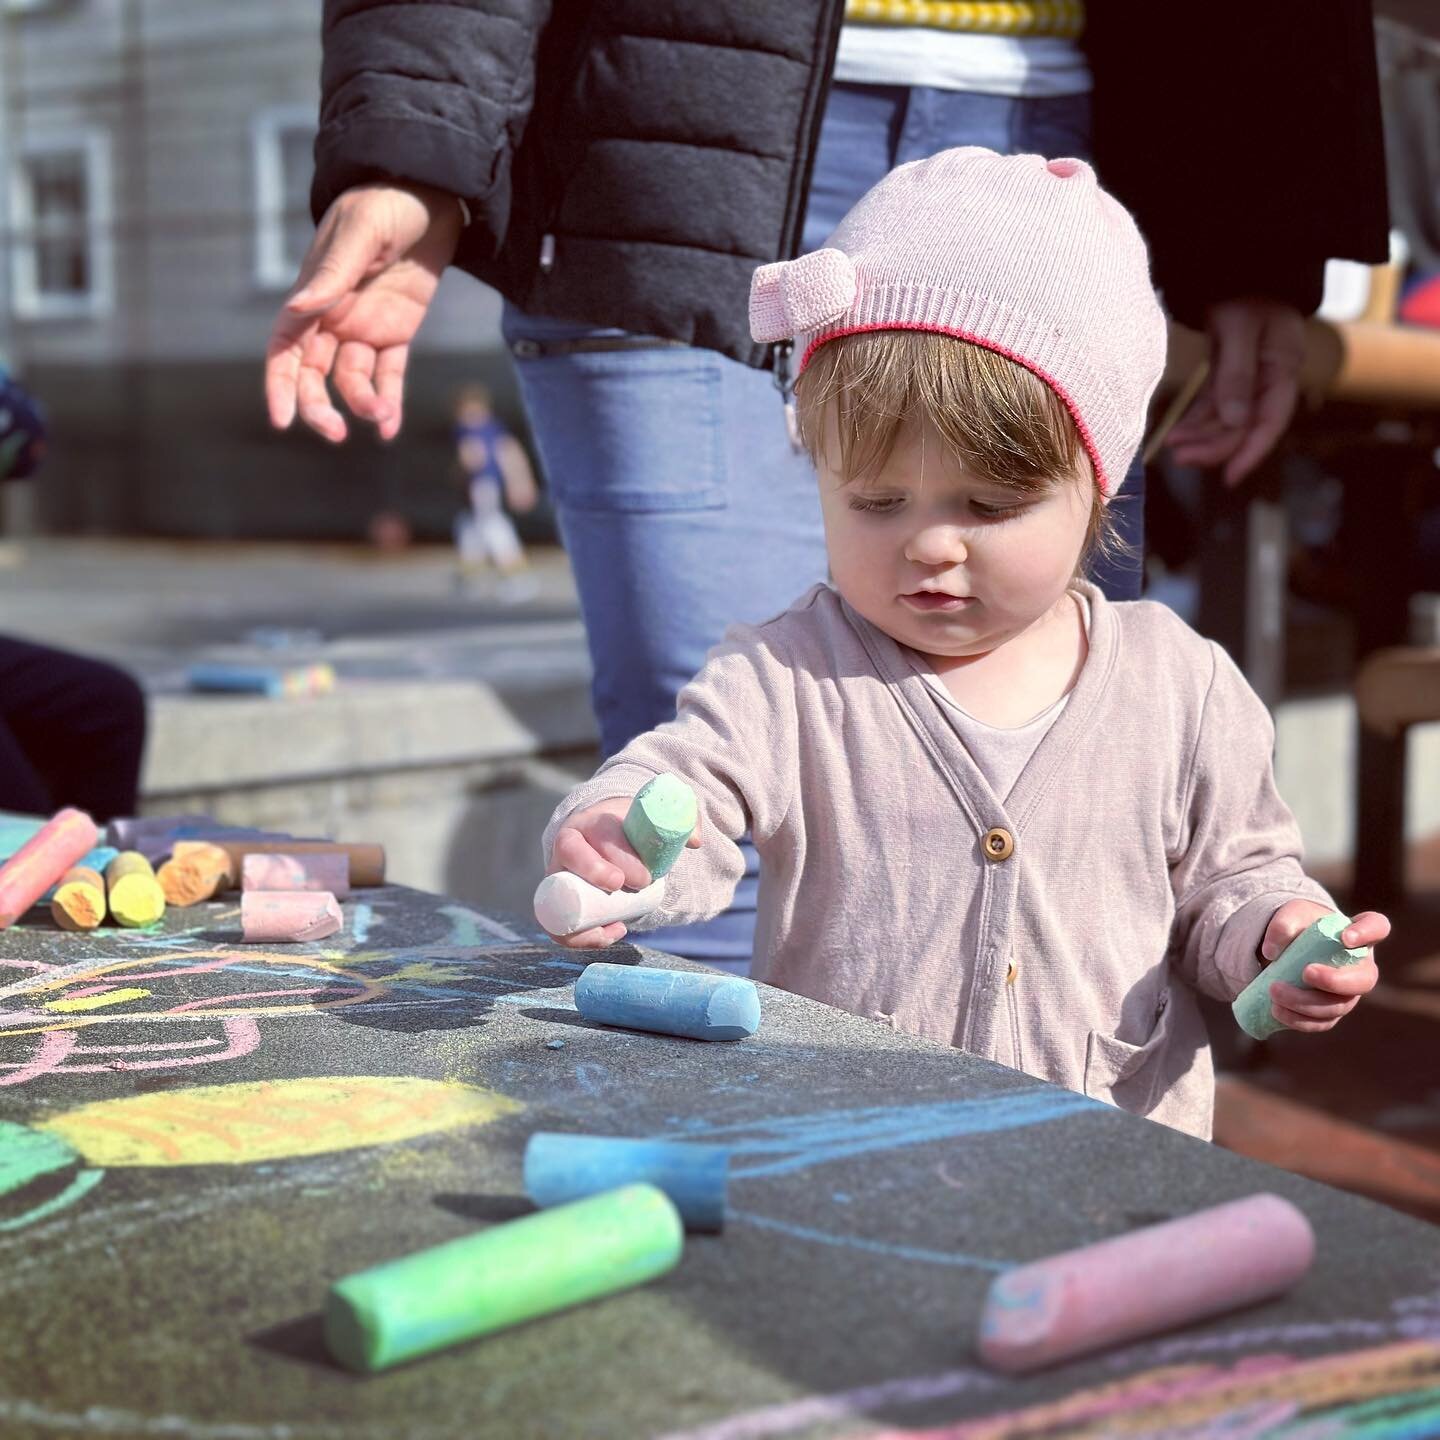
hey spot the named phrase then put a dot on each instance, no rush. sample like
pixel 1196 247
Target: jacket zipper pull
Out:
pixel 787 390
pixel 547 254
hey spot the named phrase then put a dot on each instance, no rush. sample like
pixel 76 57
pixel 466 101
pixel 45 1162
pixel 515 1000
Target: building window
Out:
pixel 60 212
pixel 283 140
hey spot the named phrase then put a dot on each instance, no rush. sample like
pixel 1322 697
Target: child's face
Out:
pixel 944 561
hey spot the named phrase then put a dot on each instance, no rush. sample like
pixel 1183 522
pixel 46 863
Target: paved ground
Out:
pixel 154 605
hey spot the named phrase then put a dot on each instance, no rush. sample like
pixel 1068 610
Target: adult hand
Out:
pixel 364 288
pixel 592 845
pixel 1256 348
pixel 1329 993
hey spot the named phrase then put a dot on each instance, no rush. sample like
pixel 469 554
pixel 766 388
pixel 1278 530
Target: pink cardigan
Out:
pixel 1138 858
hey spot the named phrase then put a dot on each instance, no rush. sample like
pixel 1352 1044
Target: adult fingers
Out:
pixel 283 356
pixel 1234 344
pixel 1274 409
pixel 315 406
pixel 390 383
pixel 355 379
pixel 346 245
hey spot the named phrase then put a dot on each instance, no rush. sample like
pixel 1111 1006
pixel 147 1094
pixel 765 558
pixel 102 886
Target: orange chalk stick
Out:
pixel 297 872
pixel 195 870
pixel 288 916
pixel 367 862
pixel 42 860
pixel 79 902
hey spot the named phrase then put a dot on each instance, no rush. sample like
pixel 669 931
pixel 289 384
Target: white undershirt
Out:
pixel 958 60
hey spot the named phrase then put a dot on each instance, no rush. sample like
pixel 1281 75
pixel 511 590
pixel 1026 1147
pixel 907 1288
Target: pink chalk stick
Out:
pixel 1145 1282
pixel 288 915
pixel 297 872
pixel 42 860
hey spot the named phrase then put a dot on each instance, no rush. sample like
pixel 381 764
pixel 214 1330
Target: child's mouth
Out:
pixel 933 600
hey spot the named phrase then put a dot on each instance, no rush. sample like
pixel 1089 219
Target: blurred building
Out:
pixel 156 159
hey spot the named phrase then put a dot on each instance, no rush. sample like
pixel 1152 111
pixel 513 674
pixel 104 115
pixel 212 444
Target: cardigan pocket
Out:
pixel 1125 1075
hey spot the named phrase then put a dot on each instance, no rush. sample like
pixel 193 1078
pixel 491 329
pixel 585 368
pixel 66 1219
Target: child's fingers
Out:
pixel 573 852
pixel 1342 979
pixel 1295 1020
pixel 596 938
pixel 1312 1004
pixel 1369 927
pixel 606 835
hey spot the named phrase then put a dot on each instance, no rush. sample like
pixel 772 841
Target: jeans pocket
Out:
pixel 628 431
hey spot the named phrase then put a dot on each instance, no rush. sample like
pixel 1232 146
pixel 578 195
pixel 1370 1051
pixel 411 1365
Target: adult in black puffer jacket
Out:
pixel 624 167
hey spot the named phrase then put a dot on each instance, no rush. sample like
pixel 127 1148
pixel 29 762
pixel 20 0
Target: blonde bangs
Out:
pixel 999 420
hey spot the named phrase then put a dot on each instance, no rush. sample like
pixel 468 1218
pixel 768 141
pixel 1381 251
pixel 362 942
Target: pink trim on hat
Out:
pixel 1085 436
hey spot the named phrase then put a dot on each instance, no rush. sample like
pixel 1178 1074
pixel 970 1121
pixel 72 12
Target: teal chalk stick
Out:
pixel 503 1276
pixel 669 1002
pixel 1319 945
pixel 661 819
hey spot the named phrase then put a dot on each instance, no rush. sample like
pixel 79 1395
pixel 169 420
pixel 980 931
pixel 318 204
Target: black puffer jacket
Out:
pixel 631 162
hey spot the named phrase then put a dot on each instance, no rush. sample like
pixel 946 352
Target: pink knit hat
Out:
pixel 1025 256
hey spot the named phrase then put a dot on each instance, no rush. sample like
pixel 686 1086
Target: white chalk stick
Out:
pixel 565 904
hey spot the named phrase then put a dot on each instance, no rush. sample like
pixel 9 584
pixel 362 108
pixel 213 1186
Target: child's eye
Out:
pixel 997 512
pixel 876 504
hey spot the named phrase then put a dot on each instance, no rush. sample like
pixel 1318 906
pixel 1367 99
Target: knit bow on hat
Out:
pixel 793 297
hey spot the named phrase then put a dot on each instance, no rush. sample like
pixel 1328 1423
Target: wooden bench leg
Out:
pixel 1379 820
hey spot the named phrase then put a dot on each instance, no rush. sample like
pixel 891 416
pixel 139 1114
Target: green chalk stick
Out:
pixel 505 1275
pixel 1319 945
pixel 662 818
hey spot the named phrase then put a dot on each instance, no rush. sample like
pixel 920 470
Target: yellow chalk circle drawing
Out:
pixel 250 1122
pixel 241 1124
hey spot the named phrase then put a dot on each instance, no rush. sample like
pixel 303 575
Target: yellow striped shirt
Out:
pixel 1058 19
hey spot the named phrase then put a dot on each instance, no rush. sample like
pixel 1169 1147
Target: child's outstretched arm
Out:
pixel 1235 859
pixel 733 741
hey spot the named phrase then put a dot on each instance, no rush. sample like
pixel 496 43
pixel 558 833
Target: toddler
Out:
pixel 992 808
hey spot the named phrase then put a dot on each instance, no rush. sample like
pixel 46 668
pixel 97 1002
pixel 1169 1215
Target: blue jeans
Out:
pixel 680 500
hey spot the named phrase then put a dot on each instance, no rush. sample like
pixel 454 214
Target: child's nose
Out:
pixel 937 545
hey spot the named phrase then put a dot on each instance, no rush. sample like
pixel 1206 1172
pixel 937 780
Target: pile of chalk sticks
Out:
pixel 612 1212
pixel 291 890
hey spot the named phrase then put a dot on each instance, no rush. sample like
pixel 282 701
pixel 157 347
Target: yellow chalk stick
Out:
pixel 134 893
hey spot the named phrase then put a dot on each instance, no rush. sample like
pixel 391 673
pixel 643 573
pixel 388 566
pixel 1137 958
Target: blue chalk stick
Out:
pixel 560 1168
pixel 237 679
pixel 669 1002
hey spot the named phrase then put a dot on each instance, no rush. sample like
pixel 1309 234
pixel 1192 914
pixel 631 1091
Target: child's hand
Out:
pixel 592 845
pixel 1334 991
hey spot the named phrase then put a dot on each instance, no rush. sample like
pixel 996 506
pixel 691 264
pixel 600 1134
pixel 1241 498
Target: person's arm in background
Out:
pixel 1250 149
pixel 422 107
